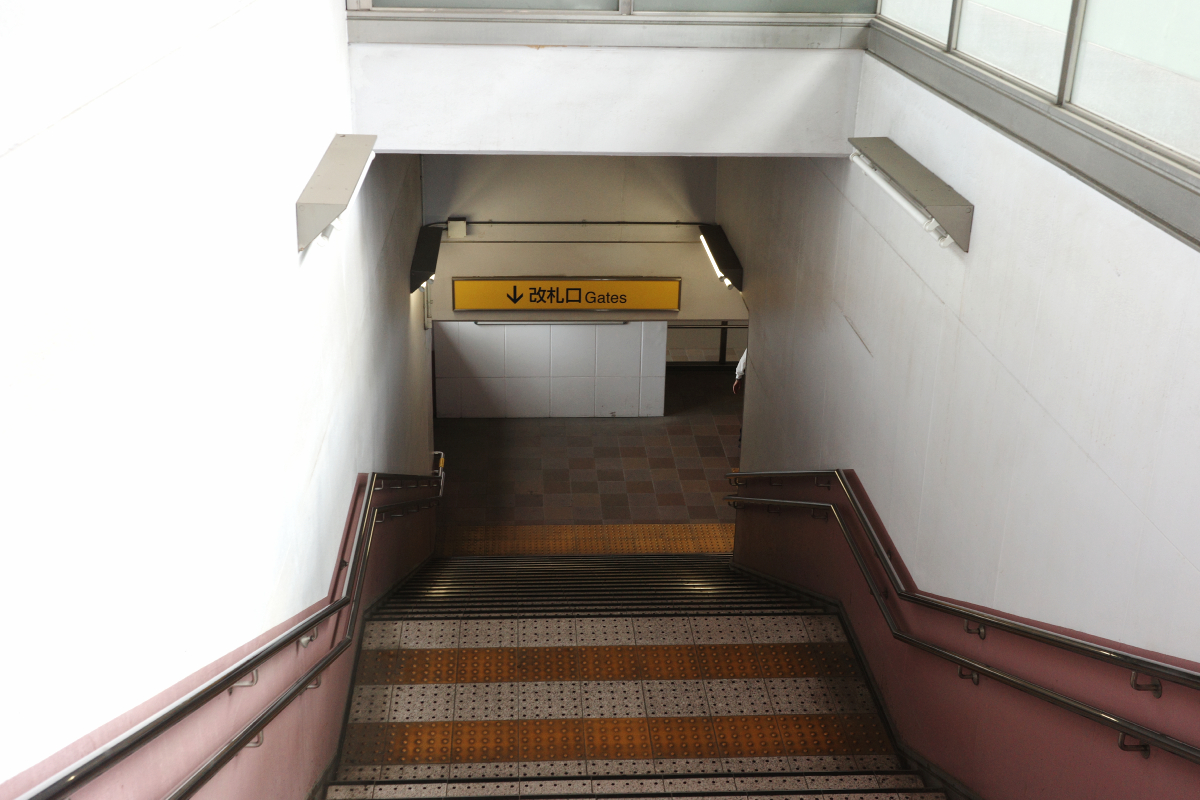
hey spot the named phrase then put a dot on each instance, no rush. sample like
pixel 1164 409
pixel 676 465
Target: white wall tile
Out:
pixel 481 348
pixel 573 351
pixel 618 350
pixel 653 390
pixel 654 350
pixel 449 397
pixel 617 397
pixel 447 358
pixel 526 350
pixel 527 397
pixel 483 397
pixel 572 397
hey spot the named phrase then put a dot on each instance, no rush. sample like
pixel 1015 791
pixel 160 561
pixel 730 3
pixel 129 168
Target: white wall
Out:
pixel 550 370
pixel 604 100
pixel 1025 416
pixel 186 401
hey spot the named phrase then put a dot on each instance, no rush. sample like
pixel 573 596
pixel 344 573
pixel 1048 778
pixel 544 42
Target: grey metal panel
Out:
pixel 953 211
pixel 584 29
pixel 1162 189
pixel 332 185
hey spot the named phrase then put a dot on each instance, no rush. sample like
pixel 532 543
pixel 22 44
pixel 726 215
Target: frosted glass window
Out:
pixel 930 17
pixel 523 5
pixel 1139 66
pixel 760 6
pixel 1025 38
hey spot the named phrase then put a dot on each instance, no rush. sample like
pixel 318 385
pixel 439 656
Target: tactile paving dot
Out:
pixel 627 785
pixel 772 783
pixel 417 743
pixel 429 634
pixel 556 787
pixel 491 665
pixel 877 762
pixel 675 699
pixel 558 700
pixel 778 630
pixel 381 636
pixel 601 767
pixel 899 782
pixel 410 790
pixel 553 769
pixel 828 763
pixel 414 772
pixel 833 734
pixel 687 766
pixel 496 769
pixel 813 660
pixel 760 764
pixel 720 630
pixel 662 630
pixel 737 697
pixel 485 740
pixel 369 773
pixel 613 663
pixel 547 664
pixel 546 632
pixel 368 743
pixel 552 740
pixel 747 737
pixel 711 783
pixel 419 666
pixel 604 631
pixel 839 783
pixel 617 739
pixel 680 738
pixel 371 703
pixel 484 789
pixel 820 696
pixel 669 662
pixel 487 633
pixel 824 628
pixel 428 702
pixel 612 699
pixel 486 701
pixel 349 792
pixel 728 661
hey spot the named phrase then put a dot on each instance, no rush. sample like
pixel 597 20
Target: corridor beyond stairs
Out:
pixel 616 676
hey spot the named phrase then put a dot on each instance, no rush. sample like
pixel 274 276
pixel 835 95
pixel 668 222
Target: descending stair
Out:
pixel 614 676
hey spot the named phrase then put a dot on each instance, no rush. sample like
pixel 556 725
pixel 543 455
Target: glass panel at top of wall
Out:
pixel 1139 66
pixel 760 6
pixel 504 5
pixel 930 17
pixel 1025 38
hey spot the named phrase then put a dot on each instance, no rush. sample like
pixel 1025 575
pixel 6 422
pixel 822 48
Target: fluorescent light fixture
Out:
pixel 943 213
pixel 721 255
pixel 425 257
pixel 333 185
pixel 712 260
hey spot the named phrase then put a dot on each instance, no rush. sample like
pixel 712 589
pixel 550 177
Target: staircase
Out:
pixel 615 676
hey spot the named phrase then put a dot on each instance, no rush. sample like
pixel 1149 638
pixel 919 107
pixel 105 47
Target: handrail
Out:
pixel 99 761
pixel 1144 666
pixel 1124 727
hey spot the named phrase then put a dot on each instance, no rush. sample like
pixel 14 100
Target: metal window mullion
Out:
pixel 955 24
pixel 1066 82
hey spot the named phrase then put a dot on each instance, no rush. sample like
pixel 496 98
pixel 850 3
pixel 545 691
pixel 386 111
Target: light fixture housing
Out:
pixel 943 213
pixel 721 255
pixel 333 185
pixel 425 256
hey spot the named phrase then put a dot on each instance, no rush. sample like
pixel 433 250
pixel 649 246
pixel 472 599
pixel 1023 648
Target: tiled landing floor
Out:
pixel 546 539
pixel 595 706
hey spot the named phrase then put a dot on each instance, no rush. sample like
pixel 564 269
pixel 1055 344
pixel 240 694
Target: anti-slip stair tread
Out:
pixel 610 676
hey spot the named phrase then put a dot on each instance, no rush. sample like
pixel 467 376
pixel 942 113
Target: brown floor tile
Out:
pixel 702 512
pixel 728 661
pixel 407 666
pixel 485 740
pixel 368 743
pixel 748 737
pixel 683 737
pixel 397 743
pixel 486 665
pixel 639 487
pixel 617 739
pixel 552 740
pixel 833 734
pixel 826 660
pixel 669 498
pixel 669 663
pixel 609 664
pixel 547 664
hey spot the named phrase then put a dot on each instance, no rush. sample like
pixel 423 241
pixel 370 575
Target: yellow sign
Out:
pixel 566 294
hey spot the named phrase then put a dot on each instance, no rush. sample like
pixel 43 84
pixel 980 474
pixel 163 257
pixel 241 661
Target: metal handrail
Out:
pixel 1139 664
pixel 99 761
pixel 1124 727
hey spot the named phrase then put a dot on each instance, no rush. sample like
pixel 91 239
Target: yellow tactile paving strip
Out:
pixel 547 540
pixel 616 739
pixel 616 663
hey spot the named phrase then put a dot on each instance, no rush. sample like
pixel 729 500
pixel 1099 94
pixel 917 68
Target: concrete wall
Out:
pixel 187 402
pixel 604 100
pixel 1024 416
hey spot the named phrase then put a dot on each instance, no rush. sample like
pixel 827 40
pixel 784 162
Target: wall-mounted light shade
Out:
pixel 425 256
pixel 929 199
pixel 333 185
pixel 720 253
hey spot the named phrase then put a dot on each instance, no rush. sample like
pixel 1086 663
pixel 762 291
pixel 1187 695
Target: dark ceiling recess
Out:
pixel 425 256
pixel 722 253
